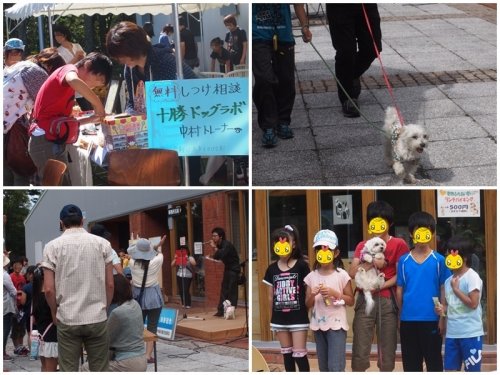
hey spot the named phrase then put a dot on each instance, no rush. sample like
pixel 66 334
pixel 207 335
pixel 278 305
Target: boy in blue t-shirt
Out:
pixel 420 278
pixel 461 310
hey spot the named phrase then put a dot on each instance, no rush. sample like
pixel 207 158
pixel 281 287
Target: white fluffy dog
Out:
pixel 228 310
pixel 404 145
pixel 369 279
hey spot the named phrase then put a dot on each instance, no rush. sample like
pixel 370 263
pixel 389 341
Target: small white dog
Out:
pixel 404 145
pixel 369 279
pixel 228 310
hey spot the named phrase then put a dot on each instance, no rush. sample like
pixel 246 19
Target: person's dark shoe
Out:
pixel 356 87
pixel 218 313
pixel 284 131
pixel 269 138
pixel 349 109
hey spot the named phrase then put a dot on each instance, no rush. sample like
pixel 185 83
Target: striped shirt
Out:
pixel 78 260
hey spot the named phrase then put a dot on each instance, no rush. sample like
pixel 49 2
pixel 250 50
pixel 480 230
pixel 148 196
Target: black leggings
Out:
pixel 183 286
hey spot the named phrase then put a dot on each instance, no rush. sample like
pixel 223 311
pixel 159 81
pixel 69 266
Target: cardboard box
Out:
pixel 124 132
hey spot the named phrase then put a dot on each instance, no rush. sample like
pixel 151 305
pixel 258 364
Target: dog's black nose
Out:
pixel 422 145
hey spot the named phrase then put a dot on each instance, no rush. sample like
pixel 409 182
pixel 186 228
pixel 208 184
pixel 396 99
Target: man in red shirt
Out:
pixel 18 327
pixel 384 316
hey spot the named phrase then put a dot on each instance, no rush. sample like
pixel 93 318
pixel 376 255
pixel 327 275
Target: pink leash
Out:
pixel 386 79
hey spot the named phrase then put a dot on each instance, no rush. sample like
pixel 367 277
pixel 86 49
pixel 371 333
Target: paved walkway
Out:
pixel 441 61
pixel 180 355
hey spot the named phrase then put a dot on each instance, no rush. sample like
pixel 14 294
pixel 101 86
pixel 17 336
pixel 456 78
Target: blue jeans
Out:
pixel 330 349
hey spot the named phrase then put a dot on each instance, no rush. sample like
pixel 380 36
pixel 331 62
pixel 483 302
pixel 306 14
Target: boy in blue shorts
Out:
pixel 420 278
pixel 461 311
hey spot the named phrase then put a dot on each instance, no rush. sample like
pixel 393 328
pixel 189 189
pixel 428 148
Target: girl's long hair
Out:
pixel 282 232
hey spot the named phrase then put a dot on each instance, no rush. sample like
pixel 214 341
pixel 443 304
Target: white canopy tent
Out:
pixel 23 10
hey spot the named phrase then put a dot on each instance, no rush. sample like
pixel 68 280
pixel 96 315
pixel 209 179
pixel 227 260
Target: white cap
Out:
pixel 326 237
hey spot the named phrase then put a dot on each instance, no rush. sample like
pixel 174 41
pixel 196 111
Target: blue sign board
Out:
pixel 199 117
pixel 166 324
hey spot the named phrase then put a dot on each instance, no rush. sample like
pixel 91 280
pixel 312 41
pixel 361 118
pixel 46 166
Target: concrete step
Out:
pixel 200 323
pixel 273 357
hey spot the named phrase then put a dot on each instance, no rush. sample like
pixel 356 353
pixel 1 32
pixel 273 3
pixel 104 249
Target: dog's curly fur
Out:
pixel 228 310
pixel 369 279
pixel 404 145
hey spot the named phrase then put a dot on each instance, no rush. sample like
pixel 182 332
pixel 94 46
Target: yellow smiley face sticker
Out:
pixel 325 256
pixel 377 225
pixel 422 235
pixel 453 260
pixel 282 247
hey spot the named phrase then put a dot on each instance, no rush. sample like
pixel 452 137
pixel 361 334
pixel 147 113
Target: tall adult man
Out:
pixel 78 283
pixel 354 45
pixel 189 49
pixel 226 252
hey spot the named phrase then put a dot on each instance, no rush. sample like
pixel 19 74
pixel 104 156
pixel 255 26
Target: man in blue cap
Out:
pixel 78 283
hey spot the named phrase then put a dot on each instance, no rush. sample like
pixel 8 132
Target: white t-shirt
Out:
pixel 464 322
pixel 153 271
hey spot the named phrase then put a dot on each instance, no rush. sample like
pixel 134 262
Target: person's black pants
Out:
pixel 228 290
pixel 274 89
pixel 7 325
pixel 183 285
pixel 421 341
pixel 353 42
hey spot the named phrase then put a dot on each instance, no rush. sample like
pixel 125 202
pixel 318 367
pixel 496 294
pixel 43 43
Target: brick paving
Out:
pixel 404 80
pixel 413 79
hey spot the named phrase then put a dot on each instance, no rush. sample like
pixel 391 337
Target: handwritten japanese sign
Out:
pixel 199 117
pixel 459 203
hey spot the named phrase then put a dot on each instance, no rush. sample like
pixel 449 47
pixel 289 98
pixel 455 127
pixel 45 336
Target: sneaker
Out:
pixel 218 314
pixel 7 357
pixel 284 131
pixel 349 109
pixel 21 351
pixel 188 307
pixel 269 138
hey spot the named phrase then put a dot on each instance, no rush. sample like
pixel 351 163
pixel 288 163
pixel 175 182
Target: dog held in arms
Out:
pixel 404 145
pixel 228 310
pixel 370 279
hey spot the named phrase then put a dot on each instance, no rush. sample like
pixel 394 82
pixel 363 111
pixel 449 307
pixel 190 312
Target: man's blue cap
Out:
pixel 70 210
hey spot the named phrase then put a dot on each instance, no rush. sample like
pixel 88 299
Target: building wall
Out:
pixel 42 224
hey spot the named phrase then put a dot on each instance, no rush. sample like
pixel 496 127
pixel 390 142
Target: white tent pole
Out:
pixel 178 57
pixel 201 37
pixel 50 28
pixel 180 75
